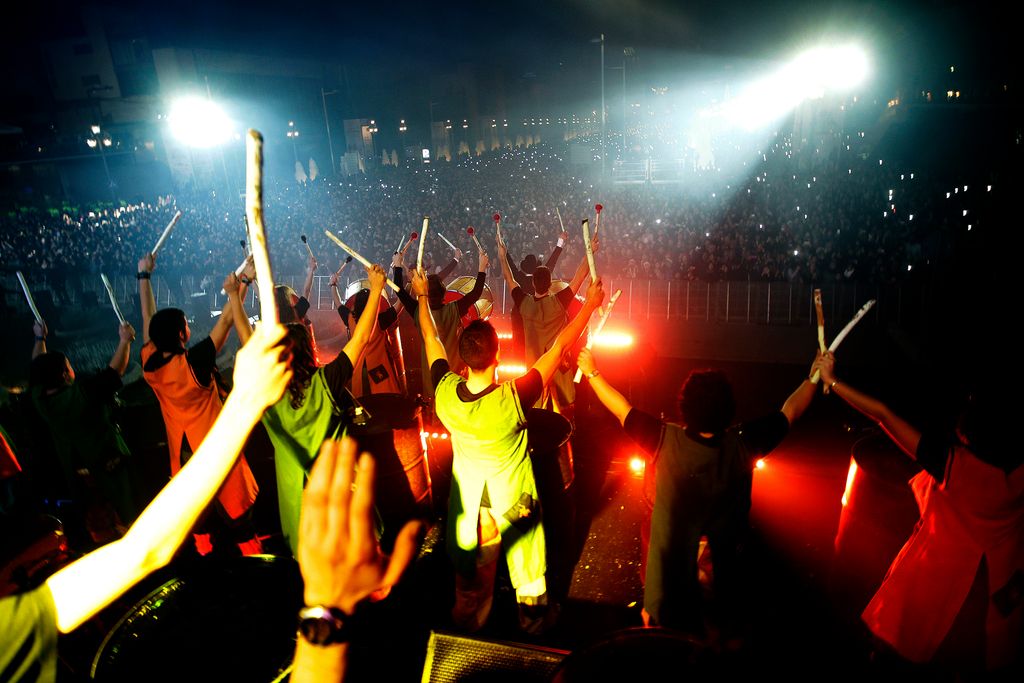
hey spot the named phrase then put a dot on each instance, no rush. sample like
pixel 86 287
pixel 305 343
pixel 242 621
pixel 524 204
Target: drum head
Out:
pixel 463 285
pixel 354 288
pixel 230 619
pixel 547 431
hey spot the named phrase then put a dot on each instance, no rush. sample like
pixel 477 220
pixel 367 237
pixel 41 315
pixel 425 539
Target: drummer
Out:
pixel 544 315
pixel 447 316
pixel 314 407
pixel 376 370
pixel 490 468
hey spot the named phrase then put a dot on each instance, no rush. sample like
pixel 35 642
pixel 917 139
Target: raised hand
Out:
pixel 231 283
pixel 585 361
pixel 40 329
pixel 262 366
pixel 338 553
pixel 419 283
pixel 126 333
pixel 377 277
pixel 595 293
pixel 485 262
pixel 147 263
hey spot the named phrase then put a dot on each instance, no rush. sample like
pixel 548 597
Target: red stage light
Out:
pixel 516 370
pixel 759 464
pixel 637 465
pixel 613 340
pixel 850 476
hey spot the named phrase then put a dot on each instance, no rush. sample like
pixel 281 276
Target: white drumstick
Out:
pixel 113 300
pixel 257 234
pixel 597 329
pixel 423 241
pixel 560 223
pixel 846 330
pixel 590 250
pixel 357 256
pixel 166 232
pixel 447 241
pixel 28 297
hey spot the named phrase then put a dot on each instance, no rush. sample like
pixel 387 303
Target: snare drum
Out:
pixel 390 432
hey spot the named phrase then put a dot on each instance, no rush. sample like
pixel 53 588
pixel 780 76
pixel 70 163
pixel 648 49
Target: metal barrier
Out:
pixel 760 303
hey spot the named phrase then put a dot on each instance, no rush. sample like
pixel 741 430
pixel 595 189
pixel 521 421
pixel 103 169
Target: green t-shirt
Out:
pixel 28 637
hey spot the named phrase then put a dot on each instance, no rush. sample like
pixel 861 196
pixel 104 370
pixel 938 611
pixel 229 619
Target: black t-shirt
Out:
pixel 385 319
pixel 529 387
pixel 761 436
pixel 933 451
pixel 337 374
pixel 302 307
pixel 103 385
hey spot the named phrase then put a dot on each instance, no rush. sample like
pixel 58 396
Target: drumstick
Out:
pixel 405 245
pixel 166 232
pixel 257 233
pixel 238 272
pixel 423 241
pixel 472 233
pixel 842 335
pixel 821 327
pixel 348 260
pixel 597 329
pixel 597 222
pixel 28 297
pixel 560 223
pixel 590 250
pixel 356 255
pixel 113 301
pixel 303 238
pixel 447 241
pixel 497 226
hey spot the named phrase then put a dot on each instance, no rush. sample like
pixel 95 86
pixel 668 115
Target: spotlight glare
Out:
pixel 759 464
pixel 613 340
pixel 637 465
pixel 198 122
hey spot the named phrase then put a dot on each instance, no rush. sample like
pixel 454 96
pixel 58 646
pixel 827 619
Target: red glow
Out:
pixel 516 370
pixel 470 230
pixel 613 340
pixel 637 465
pixel 598 207
pixel 759 464
pixel 496 217
pixel 850 476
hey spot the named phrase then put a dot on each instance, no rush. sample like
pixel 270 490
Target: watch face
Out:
pixel 316 630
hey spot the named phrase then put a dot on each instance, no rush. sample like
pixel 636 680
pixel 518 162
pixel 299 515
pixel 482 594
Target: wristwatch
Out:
pixel 594 374
pixel 320 625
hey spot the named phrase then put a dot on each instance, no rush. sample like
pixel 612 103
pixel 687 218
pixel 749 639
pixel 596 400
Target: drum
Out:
pixel 548 435
pixel 229 619
pixel 463 285
pixel 390 431
pixel 355 287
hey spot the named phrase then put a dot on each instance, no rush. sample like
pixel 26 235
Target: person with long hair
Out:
pixel 969 541
pixel 313 408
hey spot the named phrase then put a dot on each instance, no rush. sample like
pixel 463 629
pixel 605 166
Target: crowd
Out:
pixel 867 223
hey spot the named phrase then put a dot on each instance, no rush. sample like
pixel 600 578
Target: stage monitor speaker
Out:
pixel 453 658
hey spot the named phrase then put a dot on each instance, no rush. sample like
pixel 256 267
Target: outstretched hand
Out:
pixel 825 363
pixel 419 283
pixel 40 329
pixel 338 553
pixel 263 366
pixel 147 263
pixel 377 277
pixel 585 361
pixel 595 294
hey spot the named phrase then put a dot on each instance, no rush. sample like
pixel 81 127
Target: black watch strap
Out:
pixel 319 625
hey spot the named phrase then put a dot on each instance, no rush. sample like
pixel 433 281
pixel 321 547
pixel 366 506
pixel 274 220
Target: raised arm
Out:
pixel 552 358
pixel 89 584
pixel 506 268
pixel 408 301
pixel 146 301
pixel 431 343
pixel 466 302
pixel 605 392
pixel 119 361
pixel 899 430
pixel 801 398
pixel 222 328
pixel 307 286
pixel 583 269
pixel 338 554
pixel 233 287
pixel 364 327
pixel 557 251
pixel 448 269
pixel 39 347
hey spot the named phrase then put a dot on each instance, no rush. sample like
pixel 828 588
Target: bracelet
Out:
pixel 40 338
pixel 335 286
pixel 832 387
pixel 143 275
pixel 594 374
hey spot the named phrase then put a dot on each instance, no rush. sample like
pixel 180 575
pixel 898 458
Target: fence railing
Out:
pixel 761 303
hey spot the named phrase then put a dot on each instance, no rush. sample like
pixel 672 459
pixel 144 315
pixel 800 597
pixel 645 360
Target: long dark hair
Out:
pixel 303 362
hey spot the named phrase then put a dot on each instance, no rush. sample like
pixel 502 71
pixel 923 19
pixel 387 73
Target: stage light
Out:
pixel 516 370
pixel 850 476
pixel 637 465
pixel 198 122
pixel 759 464
pixel 613 340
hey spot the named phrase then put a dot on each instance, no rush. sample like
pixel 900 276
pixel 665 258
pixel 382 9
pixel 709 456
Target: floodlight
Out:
pixel 198 122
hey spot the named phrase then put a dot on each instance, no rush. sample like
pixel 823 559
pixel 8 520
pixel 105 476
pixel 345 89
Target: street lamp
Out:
pixel 98 140
pixel 293 134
